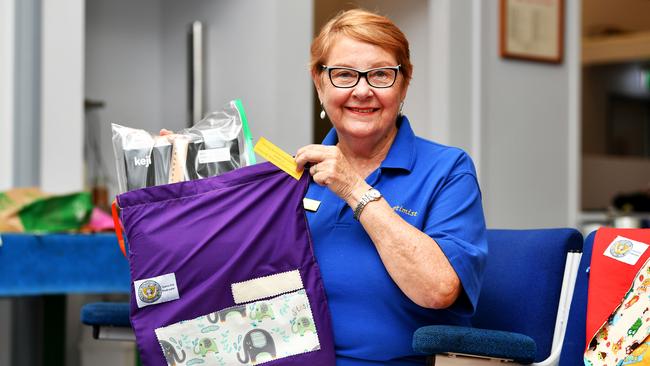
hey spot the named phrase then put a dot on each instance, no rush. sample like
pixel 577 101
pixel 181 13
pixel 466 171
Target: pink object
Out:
pixel 100 221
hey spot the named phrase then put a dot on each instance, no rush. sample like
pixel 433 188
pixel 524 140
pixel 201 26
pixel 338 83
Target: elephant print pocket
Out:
pixel 245 334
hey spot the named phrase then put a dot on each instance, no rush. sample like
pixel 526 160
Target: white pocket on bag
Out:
pixel 249 333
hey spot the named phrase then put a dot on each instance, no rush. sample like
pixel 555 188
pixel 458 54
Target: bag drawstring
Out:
pixel 118 227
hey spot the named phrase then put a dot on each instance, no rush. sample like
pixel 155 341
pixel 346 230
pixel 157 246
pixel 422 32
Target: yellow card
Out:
pixel 277 157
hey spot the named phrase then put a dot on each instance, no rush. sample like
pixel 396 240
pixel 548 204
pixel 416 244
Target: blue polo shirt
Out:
pixel 434 188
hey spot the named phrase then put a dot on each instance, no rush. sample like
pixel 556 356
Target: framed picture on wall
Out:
pixel 532 30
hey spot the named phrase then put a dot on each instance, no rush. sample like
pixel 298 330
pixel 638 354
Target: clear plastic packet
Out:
pixel 219 143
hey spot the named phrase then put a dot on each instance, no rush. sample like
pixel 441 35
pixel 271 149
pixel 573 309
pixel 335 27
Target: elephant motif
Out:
pixel 255 342
pixel 170 353
pixel 302 325
pixel 222 314
pixel 206 345
pixel 261 311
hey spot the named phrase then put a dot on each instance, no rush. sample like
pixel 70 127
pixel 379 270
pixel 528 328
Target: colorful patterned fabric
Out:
pixel 224 273
pixel 640 356
pixel 626 326
pixel 276 328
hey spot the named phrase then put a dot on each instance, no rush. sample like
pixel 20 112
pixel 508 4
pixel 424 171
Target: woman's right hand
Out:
pixel 330 168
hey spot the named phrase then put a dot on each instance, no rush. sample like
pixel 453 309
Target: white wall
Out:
pixel 7 14
pixel 517 119
pixel 529 143
pixel 6 93
pixel 413 18
pixel 6 146
pixel 62 96
pixel 123 61
pixel 452 81
pixel 256 50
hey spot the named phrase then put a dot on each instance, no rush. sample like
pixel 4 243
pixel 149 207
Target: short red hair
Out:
pixel 364 26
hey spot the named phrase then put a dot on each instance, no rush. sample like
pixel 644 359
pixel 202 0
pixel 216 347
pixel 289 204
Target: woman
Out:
pixel 399 235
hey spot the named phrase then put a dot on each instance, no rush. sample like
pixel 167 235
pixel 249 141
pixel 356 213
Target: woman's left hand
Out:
pixel 330 168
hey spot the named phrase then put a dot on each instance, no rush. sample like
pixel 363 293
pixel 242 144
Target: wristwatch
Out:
pixel 371 195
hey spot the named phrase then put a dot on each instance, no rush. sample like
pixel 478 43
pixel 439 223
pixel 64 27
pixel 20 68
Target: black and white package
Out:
pixel 219 143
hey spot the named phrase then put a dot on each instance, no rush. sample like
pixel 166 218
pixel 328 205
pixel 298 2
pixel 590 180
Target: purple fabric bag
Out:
pixel 224 274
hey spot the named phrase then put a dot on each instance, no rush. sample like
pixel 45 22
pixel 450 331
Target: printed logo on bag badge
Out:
pixel 625 250
pixel 150 291
pixel 156 290
pixel 620 248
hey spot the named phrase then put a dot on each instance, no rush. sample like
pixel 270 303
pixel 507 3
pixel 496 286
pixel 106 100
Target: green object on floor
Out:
pixel 57 213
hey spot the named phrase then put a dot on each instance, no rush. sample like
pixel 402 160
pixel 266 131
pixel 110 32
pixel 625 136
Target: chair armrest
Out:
pixel 106 313
pixel 110 320
pixel 437 339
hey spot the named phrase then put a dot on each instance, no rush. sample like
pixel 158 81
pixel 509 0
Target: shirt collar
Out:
pixel 402 152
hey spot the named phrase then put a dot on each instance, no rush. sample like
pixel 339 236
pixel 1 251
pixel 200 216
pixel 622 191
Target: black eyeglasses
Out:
pixel 347 77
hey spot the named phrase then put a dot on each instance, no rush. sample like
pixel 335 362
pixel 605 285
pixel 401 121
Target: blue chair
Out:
pixel 524 303
pixel 110 320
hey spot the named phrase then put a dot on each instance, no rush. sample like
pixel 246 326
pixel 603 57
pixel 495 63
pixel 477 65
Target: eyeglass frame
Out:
pixel 361 73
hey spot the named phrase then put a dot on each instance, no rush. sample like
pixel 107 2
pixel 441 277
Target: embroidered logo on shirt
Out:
pixel 405 211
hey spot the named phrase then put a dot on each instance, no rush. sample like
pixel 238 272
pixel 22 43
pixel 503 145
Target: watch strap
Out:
pixel 371 195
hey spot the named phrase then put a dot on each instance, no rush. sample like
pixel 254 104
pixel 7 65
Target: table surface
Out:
pixel 62 264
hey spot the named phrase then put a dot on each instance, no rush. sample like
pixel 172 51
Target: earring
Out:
pixel 401 105
pixel 322 111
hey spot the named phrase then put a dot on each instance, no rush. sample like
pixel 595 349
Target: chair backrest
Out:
pixel 523 281
pixel 575 338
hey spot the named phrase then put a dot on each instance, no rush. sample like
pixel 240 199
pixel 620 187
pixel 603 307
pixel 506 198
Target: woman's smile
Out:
pixel 362 111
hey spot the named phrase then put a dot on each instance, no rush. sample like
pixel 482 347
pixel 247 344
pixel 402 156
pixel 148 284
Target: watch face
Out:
pixel 374 193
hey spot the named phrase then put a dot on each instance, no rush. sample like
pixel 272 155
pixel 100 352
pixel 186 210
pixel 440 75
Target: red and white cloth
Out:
pixel 618 308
